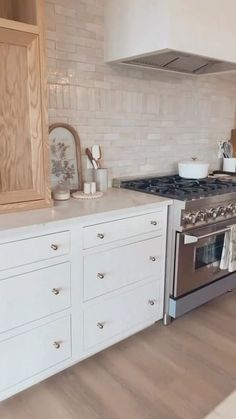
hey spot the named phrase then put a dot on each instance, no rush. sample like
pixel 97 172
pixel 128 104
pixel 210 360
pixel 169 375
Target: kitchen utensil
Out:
pixel 91 159
pixel 96 153
pixel 227 149
pixel 194 169
pixel 233 141
pixel 101 178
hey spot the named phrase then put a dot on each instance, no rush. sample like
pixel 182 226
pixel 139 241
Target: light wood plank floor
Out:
pixel 182 371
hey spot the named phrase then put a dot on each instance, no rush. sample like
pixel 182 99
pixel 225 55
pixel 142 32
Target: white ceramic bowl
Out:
pixel 193 169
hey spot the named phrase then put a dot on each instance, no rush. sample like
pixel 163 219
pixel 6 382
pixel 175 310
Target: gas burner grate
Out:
pixel 176 187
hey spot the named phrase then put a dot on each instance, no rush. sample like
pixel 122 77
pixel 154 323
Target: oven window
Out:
pixel 209 253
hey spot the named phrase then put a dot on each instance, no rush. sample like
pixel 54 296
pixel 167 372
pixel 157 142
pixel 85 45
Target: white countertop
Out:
pixel 116 201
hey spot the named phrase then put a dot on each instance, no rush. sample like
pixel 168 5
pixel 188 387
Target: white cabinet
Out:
pixel 33 295
pixel 35 309
pixel 34 351
pixel 72 288
pixel 108 270
pixel 123 277
pixel 103 233
pixel 117 314
pixel 22 252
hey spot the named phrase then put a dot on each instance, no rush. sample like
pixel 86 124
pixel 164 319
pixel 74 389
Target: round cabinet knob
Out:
pixel 100 276
pixel 54 247
pixel 151 302
pixel 154 223
pixel 100 325
pixel 100 236
pixel 56 345
pixel 55 291
pixel 153 258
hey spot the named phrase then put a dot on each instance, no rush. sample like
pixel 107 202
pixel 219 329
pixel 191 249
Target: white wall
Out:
pixel 145 121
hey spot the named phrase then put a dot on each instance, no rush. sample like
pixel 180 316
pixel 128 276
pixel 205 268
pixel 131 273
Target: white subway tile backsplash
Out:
pixel 144 120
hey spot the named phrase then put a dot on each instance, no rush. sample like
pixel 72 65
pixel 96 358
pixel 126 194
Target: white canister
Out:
pixel 229 165
pixel 87 188
pixel 101 178
pixel 93 187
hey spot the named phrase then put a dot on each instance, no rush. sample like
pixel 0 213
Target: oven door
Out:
pixel 198 255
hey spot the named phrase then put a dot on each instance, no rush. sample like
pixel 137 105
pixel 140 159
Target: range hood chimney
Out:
pixel 185 36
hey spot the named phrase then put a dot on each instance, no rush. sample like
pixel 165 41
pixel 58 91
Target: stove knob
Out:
pixel 221 211
pixel 231 208
pixel 201 216
pixel 212 213
pixel 191 218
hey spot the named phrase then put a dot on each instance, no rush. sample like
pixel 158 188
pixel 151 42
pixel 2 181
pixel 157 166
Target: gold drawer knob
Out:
pixel 100 236
pixel 100 325
pixel 56 345
pixel 154 223
pixel 151 302
pixel 55 291
pixel 54 247
pixel 100 276
pixel 153 258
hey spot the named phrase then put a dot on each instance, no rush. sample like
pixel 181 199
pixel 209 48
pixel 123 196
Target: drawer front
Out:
pixel 32 352
pixel 119 314
pixel 100 234
pixel 35 249
pixel 28 297
pixel 112 269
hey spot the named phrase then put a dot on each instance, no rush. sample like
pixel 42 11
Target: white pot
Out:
pixel 193 169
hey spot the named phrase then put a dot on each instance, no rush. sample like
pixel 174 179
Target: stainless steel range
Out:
pixel 201 214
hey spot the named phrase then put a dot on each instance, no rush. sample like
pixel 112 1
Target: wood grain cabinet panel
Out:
pixel 19 10
pixel 23 140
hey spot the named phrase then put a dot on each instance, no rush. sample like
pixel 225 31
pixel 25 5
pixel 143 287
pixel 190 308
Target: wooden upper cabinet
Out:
pixel 24 174
pixel 24 11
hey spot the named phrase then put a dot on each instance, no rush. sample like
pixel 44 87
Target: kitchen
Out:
pixel 145 121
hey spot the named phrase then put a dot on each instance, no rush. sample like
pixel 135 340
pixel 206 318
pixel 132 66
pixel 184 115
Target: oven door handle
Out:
pixel 188 239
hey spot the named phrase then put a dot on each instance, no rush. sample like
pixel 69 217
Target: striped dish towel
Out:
pixel 228 257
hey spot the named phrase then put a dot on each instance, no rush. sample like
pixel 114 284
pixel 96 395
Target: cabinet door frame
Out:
pixel 37 194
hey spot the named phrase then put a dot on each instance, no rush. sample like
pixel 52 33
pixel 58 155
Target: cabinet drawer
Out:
pixel 118 314
pixel 33 295
pixel 112 269
pixel 32 352
pixel 100 234
pixel 35 249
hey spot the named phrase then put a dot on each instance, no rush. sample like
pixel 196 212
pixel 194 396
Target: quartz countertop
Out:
pixel 117 201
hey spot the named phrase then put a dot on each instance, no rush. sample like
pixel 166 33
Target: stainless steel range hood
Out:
pixel 182 63
pixel 184 36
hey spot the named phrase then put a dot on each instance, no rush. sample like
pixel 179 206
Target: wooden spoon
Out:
pixel 91 159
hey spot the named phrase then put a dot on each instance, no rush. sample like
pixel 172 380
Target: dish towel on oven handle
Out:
pixel 228 257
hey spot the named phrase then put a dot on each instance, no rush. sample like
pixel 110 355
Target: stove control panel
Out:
pixel 209 215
